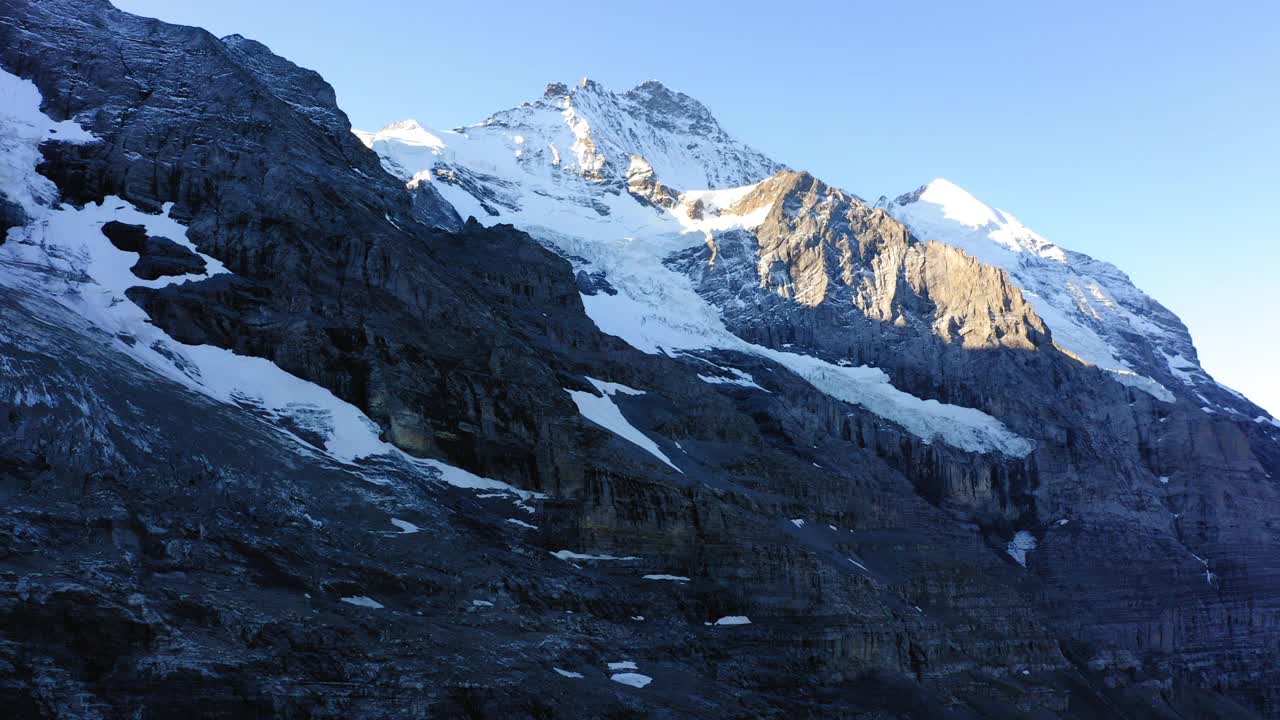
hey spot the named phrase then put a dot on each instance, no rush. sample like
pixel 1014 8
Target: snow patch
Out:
pixel 406 527
pixel 601 410
pixel 363 601
pixel 633 679
pixel 715 380
pixel 1022 543
pixel 674 578
pixel 734 620
pixel 1182 368
pixel 570 555
pixel 23 127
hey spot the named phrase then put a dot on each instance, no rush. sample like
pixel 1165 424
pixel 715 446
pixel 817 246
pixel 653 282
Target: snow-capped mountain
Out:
pixel 622 184
pixel 282 434
pixel 559 165
pixel 626 228
pixel 569 141
pixel 1093 308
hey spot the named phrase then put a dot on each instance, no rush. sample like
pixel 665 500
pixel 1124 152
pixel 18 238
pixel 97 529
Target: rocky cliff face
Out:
pixel 283 435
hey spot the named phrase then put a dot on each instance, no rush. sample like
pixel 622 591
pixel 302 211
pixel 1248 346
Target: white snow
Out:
pixel 1022 543
pixel 961 427
pixel 798 522
pixel 1083 301
pixel 734 620
pixel 633 679
pixel 567 673
pixel 674 578
pixel 1182 368
pixel 717 380
pixel 464 479
pixel 601 410
pixel 363 601
pixel 522 523
pixel 860 566
pixel 481 603
pixel 570 555
pixel 1164 480
pixel 406 527
pixel 623 665
pixel 22 128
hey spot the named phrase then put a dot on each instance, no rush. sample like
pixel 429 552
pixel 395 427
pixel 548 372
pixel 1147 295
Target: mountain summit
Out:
pixel 667 150
pixel 592 133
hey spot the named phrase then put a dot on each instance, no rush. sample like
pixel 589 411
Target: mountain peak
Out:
pixel 958 204
pixel 587 129
pixel 407 131
pixel 406 124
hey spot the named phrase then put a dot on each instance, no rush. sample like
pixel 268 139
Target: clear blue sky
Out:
pixel 1140 133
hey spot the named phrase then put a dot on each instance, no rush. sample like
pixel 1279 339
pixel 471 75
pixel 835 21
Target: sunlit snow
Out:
pixel 570 555
pixel 1073 294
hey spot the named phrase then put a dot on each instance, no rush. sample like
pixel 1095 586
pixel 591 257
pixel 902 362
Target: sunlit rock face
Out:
pixel 588 410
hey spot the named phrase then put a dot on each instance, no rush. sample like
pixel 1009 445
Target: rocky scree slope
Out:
pixel 451 510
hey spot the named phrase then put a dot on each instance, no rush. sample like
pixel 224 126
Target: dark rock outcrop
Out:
pixel 159 257
pixel 644 186
pixel 431 209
